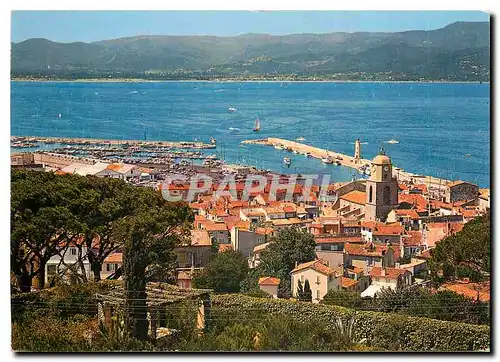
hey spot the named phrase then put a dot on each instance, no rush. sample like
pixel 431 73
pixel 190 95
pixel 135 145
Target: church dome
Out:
pixel 381 160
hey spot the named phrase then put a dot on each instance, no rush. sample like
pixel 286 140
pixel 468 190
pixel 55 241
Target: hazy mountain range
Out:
pixel 459 51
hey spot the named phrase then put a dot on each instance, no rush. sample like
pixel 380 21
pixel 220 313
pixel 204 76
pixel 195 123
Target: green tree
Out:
pixel 307 292
pixel 42 222
pixel 290 246
pixel 466 253
pixel 149 238
pixel 101 203
pixel 300 291
pixel 224 273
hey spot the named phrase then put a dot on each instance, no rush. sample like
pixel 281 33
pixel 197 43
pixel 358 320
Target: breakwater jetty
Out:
pixel 315 152
pixel 357 163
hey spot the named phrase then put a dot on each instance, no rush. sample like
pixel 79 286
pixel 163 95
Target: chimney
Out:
pixel 296 264
pixel 382 272
pixel 397 266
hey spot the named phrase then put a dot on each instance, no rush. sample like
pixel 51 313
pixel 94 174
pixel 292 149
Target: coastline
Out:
pixel 138 80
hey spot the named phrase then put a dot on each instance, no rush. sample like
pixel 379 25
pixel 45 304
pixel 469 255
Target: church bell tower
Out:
pixel 381 189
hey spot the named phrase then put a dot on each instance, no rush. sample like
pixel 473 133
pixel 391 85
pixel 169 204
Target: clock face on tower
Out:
pixel 386 168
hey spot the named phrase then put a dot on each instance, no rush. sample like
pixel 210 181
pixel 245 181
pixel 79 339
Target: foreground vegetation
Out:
pixel 416 301
pixel 56 320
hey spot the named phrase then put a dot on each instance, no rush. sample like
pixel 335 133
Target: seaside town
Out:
pixel 369 233
pixel 250 181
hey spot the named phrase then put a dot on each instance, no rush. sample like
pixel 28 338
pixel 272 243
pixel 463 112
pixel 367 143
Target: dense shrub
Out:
pixel 387 331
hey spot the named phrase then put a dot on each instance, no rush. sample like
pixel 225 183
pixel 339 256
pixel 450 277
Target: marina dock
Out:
pixel 30 140
pixel 315 152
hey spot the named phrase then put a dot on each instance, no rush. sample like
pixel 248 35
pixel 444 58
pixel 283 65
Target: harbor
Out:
pixel 31 141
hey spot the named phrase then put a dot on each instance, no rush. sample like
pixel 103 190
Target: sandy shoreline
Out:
pixel 126 80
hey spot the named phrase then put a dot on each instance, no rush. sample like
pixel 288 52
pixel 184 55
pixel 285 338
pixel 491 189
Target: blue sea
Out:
pixel 437 124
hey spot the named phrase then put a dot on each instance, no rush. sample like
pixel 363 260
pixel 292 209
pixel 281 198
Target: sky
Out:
pixel 88 26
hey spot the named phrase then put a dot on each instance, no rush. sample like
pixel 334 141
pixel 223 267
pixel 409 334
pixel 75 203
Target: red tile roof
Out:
pixel 369 224
pixel 470 290
pixel 370 249
pixel 413 238
pixel 116 258
pixel 269 281
pixel 390 273
pixel 316 265
pixel 215 226
pixel 414 199
pixel 355 269
pixel 338 239
pixel 288 209
pixel 264 231
pixel 200 238
pixel 412 214
pixel 348 282
pixel 426 254
pixel 402 187
pixel 355 196
pixel 388 230
pixel 225 247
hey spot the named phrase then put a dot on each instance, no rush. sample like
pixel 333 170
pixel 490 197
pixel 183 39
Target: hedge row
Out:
pixel 391 332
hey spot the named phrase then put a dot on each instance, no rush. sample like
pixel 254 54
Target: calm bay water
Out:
pixel 437 124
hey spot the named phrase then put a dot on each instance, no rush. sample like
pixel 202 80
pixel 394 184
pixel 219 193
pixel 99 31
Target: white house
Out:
pixel 111 264
pixel 321 278
pixel 269 285
pixel 71 261
pixel 387 278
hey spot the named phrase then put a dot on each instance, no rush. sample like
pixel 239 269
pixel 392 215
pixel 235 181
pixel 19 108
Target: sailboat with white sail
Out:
pixel 256 128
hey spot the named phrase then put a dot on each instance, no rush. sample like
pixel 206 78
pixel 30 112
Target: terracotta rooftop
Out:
pixel 215 226
pixel 412 214
pixel 269 281
pixel 338 239
pixel 414 199
pixel 470 290
pixel 348 282
pixel 114 258
pixel 200 238
pixel 264 231
pixel 413 238
pixel 355 196
pixel 355 269
pixel 390 273
pixel 290 221
pixel 426 254
pixel 316 265
pixel 115 166
pixel 370 249
pixel 225 247
pixel 388 230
